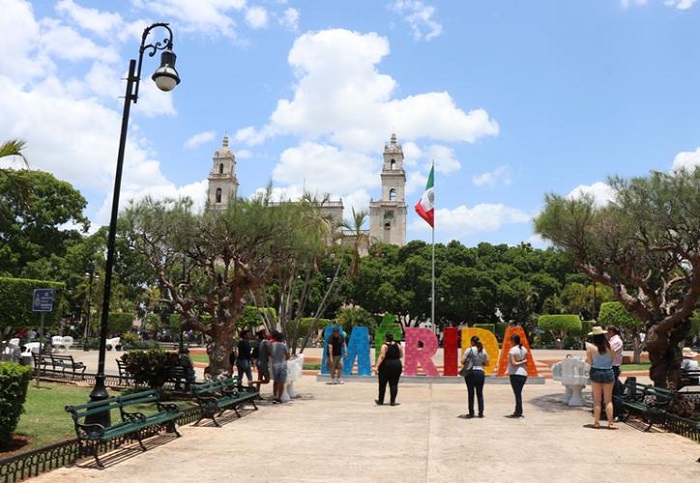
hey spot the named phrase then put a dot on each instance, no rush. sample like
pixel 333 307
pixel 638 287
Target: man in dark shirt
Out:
pixel 336 350
pixel 243 360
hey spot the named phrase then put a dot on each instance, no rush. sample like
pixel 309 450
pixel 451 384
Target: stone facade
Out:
pixel 223 184
pixel 387 216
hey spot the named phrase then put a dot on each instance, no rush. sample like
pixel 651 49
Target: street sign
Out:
pixel 43 299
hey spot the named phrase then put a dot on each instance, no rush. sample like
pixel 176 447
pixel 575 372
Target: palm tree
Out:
pixel 13 147
pixel 9 148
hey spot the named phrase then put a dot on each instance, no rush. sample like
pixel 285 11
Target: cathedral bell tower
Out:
pixel 387 216
pixel 223 184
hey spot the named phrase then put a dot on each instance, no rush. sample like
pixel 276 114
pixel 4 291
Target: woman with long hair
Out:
pixel 389 369
pixel 477 358
pixel 599 355
pixel 517 372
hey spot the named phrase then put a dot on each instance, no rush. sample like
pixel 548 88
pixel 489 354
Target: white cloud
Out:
pixel 256 17
pixel 207 16
pixel 499 175
pixel 679 4
pixel 628 3
pixel 463 221
pixel 103 24
pixel 19 32
pixel 340 95
pixel 289 19
pixel 420 17
pixel 325 169
pixel 602 192
pixel 686 159
pixel 199 139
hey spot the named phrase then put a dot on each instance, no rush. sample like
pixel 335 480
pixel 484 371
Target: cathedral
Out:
pixel 387 215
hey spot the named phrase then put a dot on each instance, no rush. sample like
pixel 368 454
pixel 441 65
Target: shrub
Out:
pixel 560 325
pixel 151 367
pixel 14 381
pixel 490 327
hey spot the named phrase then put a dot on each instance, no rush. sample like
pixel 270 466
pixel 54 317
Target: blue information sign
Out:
pixel 43 299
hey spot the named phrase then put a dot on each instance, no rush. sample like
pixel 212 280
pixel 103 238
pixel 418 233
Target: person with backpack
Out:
pixel 389 370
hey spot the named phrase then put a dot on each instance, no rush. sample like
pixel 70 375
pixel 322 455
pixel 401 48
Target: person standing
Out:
pixel 517 371
pixel 243 359
pixel 263 358
pixel 614 336
pixel 336 351
pixel 389 370
pixel 599 355
pixel 475 377
pixel 279 354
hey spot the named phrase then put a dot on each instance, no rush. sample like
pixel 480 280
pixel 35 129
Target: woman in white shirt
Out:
pixel 517 360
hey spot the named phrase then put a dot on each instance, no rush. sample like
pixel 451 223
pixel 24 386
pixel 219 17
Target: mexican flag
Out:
pixel 426 206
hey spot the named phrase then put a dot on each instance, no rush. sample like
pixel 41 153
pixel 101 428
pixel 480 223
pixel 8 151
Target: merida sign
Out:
pixel 420 347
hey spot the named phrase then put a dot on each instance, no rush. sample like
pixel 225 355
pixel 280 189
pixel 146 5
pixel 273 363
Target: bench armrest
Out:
pixel 89 431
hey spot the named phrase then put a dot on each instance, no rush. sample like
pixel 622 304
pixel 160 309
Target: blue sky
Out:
pixel 510 99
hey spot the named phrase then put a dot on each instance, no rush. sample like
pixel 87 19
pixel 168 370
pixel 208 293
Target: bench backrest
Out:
pixel 94 407
pixel 61 358
pixel 214 386
pixel 143 397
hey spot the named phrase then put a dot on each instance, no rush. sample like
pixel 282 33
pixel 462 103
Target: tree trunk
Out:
pixel 663 342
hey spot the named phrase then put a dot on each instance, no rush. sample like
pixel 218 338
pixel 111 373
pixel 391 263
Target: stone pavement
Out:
pixel 337 433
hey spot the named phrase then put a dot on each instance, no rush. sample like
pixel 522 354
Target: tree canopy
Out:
pixel 645 245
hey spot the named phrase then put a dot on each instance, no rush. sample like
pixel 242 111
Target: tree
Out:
pixel 33 226
pixel 560 326
pixel 228 256
pixel 614 313
pixel 645 245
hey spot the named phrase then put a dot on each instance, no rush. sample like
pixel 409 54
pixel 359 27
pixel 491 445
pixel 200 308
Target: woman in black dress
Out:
pixel 389 369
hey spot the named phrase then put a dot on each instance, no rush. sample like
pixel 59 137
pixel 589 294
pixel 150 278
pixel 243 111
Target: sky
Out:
pixel 510 100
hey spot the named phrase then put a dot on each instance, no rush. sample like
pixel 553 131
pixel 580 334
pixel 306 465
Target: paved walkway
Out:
pixel 337 433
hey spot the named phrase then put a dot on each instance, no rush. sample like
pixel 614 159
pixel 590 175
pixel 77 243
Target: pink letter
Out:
pixel 422 356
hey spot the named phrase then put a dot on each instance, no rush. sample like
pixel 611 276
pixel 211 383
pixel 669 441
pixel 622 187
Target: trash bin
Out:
pixel 25 359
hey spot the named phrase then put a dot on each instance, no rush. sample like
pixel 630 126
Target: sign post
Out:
pixel 43 302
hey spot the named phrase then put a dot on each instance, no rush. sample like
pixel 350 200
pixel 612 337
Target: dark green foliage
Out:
pixel 14 380
pixel 614 313
pixel 150 367
pixel 120 322
pixel 16 297
pixel 560 325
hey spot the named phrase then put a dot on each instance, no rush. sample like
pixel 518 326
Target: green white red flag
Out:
pixel 426 206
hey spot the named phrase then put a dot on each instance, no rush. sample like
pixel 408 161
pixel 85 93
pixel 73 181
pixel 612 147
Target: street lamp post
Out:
pixel 91 275
pixel 166 78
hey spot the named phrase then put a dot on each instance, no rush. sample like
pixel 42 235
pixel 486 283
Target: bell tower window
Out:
pixel 221 168
pixel 392 194
pixel 218 195
pixel 393 164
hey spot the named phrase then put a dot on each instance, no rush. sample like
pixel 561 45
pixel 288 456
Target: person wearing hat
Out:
pixel 689 362
pixel 389 369
pixel 599 356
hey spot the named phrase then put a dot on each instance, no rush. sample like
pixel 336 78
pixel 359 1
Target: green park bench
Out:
pixel 649 403
pixel 215 397
pixel 133 420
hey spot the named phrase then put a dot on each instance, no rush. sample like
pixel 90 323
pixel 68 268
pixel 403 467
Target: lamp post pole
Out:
pixel 166 78
pixel 91 274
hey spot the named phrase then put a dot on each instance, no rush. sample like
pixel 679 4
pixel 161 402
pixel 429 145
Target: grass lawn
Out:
pixel 642 366
pixel 45 420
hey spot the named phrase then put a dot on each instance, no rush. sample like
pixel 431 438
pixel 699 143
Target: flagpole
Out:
pixel 432 278
pixel 432 305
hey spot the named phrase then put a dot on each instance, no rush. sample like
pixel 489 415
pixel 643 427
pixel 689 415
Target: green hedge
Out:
pixel 16 301
pixel 560 324
pixel 150 367
pixel 14 381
